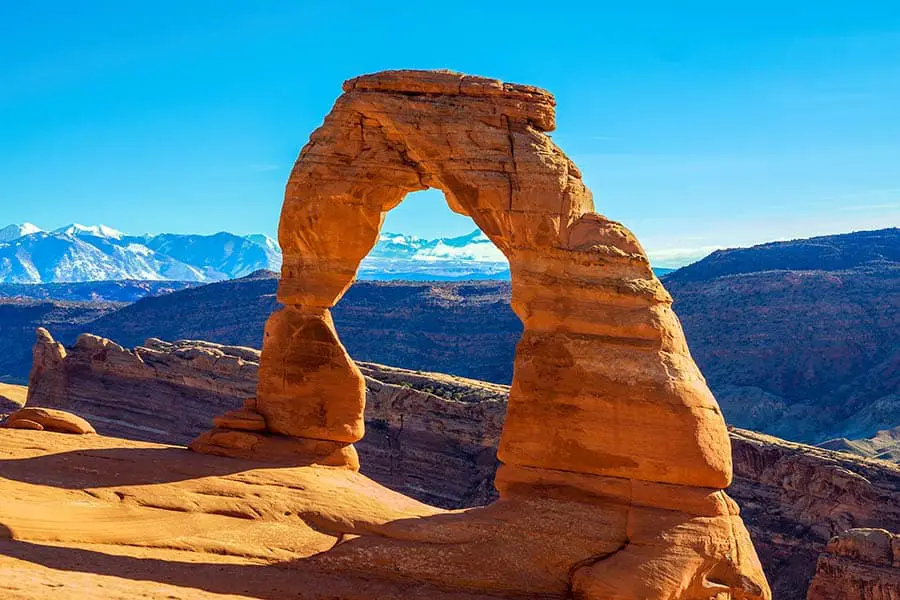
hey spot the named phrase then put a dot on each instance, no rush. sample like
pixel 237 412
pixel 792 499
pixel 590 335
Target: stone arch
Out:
pixel 607 411
pixel 603 381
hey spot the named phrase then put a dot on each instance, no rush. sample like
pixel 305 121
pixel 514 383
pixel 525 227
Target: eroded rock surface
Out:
pixel 795 498
pixel 158 392
pixel 48 419
pixel 860 564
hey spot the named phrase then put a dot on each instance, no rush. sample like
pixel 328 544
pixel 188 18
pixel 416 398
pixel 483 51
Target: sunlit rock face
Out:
pixel 609 420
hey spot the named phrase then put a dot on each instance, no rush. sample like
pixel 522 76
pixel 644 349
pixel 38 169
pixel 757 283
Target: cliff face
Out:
pixel 157 392
pixel 860 564
pixel 434 437
pixel 796 497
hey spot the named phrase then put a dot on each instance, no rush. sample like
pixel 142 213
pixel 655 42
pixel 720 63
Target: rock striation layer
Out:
pixel 860 564
pixel 606 403
pixel 795 498
pixel 158 392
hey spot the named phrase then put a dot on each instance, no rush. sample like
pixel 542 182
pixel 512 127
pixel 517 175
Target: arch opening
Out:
pixel 423 322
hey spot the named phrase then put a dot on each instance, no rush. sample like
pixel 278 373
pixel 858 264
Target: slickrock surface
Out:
pixel 96 517
pixel 860 564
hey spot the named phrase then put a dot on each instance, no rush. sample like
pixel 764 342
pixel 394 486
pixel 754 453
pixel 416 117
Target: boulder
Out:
pixel 49 419
pixel 24 424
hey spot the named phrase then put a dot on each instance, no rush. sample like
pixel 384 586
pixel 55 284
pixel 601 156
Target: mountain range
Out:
pixel 80 253
pixel 77 253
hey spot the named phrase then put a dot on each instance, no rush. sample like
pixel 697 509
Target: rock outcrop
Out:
pixel 795 498
pixel 860 564
pixel 431 436
pixel 158 392
pixel 606 404
pixel 48 419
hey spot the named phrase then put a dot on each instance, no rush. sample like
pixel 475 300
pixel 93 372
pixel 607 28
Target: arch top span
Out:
pixel 482 142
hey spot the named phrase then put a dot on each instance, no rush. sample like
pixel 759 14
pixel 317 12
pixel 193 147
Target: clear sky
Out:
pixel 698 125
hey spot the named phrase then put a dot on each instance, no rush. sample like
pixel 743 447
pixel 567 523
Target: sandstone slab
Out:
pixel 50 419
pixel 94 514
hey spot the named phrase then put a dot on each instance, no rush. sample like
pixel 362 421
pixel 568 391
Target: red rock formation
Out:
pixel 606 402
pixel 860 564
pixel 40 419
pixel 796 497
pixel 157 392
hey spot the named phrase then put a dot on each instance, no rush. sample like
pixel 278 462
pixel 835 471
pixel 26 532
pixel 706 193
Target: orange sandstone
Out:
pixel 607 408
pixel 51 419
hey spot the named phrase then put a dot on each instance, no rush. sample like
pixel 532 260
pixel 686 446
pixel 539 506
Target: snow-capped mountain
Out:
pixel 100 253
pixel 399 256
pixel 101 231
pixel 14 232
pixel 219 256
pixel 77 252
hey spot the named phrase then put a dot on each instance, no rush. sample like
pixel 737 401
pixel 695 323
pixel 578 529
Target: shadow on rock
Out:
pixel 263 581
pixel 108 467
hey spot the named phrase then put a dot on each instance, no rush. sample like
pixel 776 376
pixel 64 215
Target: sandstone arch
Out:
pixel 606 400
pixel 603 380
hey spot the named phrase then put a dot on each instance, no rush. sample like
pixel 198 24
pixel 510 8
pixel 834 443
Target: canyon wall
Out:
pixel 860 564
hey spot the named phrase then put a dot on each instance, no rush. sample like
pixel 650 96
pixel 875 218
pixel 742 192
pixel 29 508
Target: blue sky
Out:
pixel 698 125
